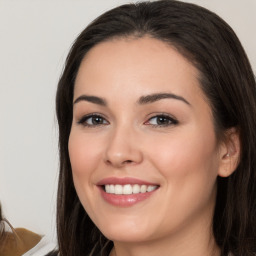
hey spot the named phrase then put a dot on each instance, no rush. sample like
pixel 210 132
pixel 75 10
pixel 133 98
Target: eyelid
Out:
pixel 173 120
pixel 83 119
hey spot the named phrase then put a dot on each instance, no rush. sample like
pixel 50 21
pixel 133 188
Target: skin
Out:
pixel 184 158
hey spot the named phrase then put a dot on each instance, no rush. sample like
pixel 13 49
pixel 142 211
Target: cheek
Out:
pixel 188 165
pixel 187 159
pixel 83 154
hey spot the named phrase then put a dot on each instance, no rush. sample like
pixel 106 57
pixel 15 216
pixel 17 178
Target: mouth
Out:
pixel 128 189
pixel 125 192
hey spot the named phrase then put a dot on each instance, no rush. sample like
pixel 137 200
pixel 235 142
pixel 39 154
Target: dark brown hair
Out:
pixel 228 83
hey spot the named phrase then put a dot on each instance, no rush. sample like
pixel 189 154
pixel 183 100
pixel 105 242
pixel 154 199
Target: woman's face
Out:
pixel 142 145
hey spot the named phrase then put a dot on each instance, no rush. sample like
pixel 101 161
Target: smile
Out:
pixel 128 189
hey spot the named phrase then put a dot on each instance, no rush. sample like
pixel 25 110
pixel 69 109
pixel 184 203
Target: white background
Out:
pixel 35 36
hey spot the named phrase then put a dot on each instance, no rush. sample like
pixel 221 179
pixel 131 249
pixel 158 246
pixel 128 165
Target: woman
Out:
pixel 156 112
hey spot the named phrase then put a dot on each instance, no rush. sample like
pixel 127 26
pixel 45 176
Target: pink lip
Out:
pixel 124 200
pixel 123 181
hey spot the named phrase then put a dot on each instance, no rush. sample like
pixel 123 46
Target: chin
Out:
pixel 126 237
pixel 126 233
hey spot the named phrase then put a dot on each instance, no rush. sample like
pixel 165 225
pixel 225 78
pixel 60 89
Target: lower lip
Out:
pixel 125 200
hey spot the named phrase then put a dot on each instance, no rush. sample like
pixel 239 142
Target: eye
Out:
pixel 93 120
pixel 161 120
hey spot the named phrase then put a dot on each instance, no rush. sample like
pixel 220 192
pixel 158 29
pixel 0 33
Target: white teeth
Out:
pixel 128 189
pixel 143 189
pixel 151 188
pixel 135 189
pixel 107 188
pixel 118 189
pixel 112 189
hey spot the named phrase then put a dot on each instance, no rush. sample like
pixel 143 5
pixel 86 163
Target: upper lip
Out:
pixel 123 181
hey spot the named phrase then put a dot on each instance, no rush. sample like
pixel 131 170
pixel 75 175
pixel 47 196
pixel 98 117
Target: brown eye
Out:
pixel 93 120
pixel 161 120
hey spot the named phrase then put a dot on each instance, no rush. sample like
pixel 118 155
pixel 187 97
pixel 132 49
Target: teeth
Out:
pixel 112 189
pixel 151 188
pixel 128 189
pixel 143 189
pixel 135 189
pixel 118 189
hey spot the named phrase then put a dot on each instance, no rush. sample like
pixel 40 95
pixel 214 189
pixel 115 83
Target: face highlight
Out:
pixel 142 146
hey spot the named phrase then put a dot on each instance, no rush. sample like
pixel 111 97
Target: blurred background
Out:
pixel 35 36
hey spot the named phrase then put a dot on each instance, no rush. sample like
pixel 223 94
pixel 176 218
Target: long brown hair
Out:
pixel 227 81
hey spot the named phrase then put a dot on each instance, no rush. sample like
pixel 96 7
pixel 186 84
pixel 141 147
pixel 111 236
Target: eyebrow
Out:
pixel 160 96
pixel 92 99
pixel 142 100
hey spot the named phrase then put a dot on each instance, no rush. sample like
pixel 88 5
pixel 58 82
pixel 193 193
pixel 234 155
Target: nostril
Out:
pixel 108 162
pixel 128 162
pixel 120 164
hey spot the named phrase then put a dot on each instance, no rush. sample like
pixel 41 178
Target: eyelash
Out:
pixel 165 118
pixel 83 121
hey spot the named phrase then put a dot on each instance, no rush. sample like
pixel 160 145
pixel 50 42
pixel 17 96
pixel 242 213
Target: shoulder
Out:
pixel 44 247
pixel 28 238
pixel 18 241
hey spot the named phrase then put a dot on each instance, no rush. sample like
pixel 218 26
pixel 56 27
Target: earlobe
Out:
pixel 229 153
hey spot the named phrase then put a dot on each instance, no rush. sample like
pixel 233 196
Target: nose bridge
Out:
pixel 122 148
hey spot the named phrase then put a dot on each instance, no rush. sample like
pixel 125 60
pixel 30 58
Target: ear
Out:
pixel 229 153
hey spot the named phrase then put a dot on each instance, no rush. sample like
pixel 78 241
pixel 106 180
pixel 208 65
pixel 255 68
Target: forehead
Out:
pixel 147 64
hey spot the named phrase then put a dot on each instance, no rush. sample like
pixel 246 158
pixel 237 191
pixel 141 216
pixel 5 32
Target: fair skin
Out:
pixel 146 118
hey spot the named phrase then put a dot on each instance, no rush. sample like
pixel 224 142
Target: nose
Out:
pixel 123 148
